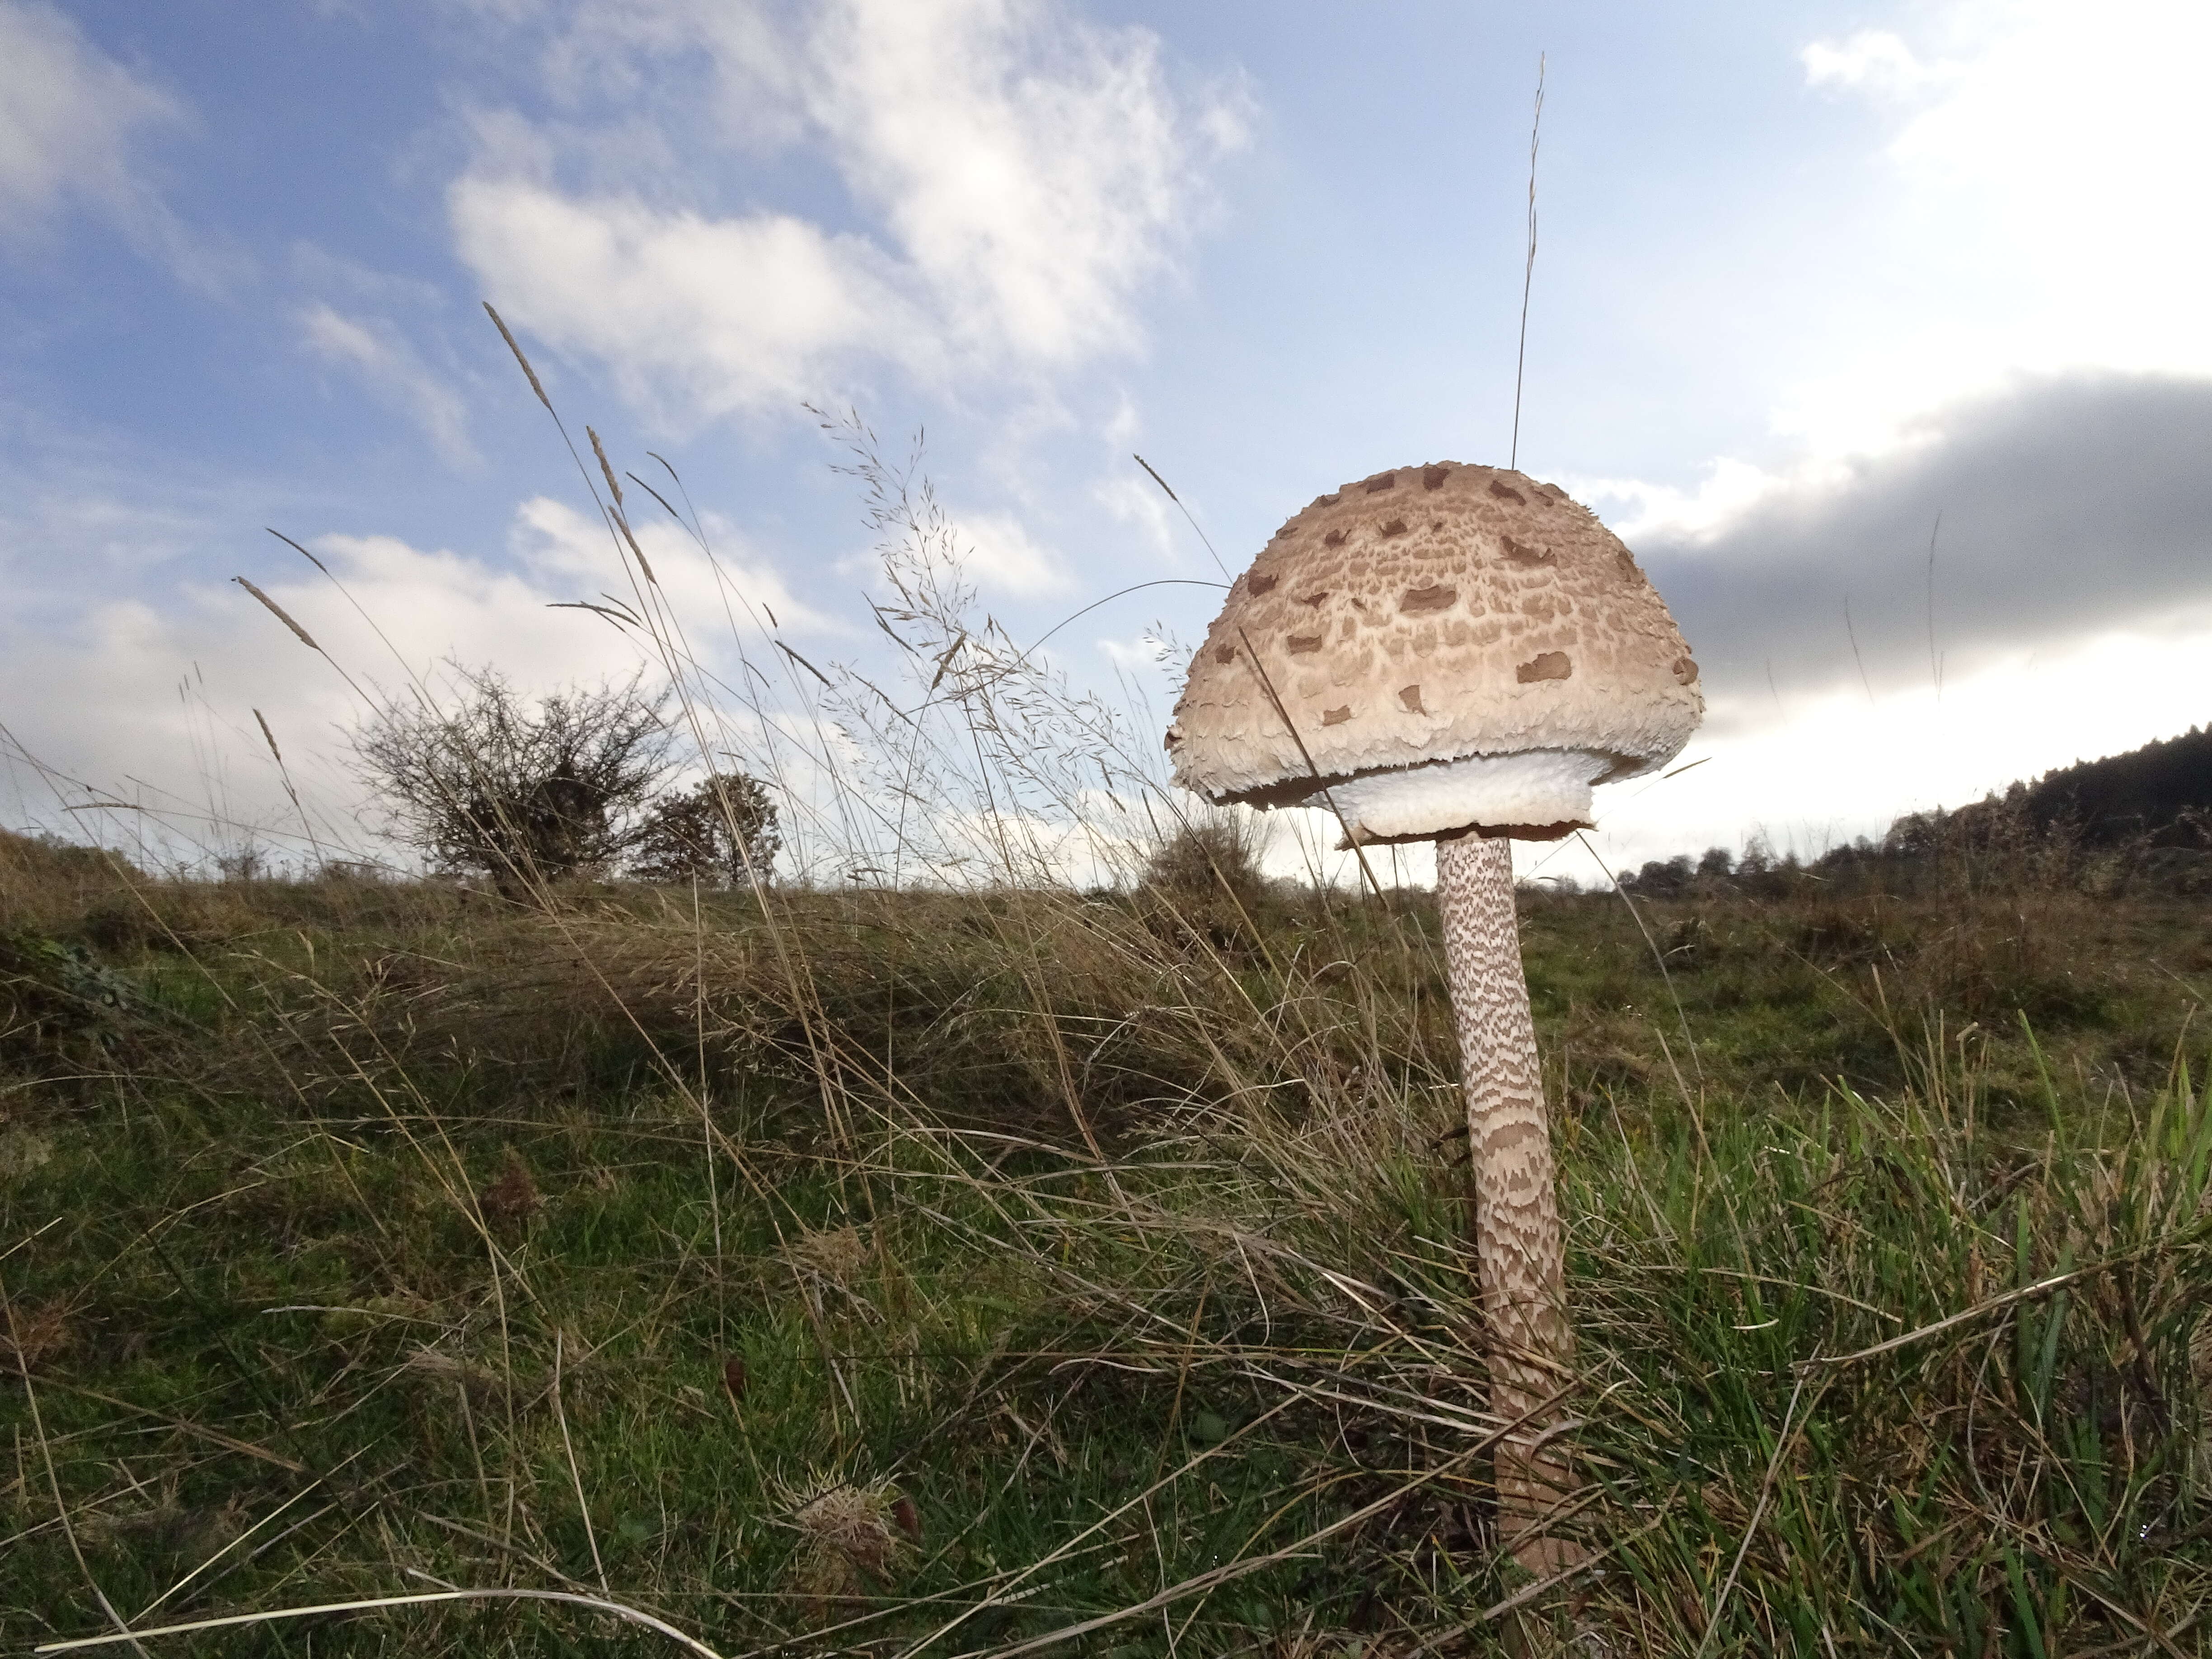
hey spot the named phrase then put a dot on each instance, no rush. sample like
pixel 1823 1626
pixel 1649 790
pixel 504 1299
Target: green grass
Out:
pixel 361 1240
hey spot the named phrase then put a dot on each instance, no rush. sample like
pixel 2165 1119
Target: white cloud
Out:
pixel 2029 235
pixel 1873 60
pixel 1139 660
pixel 1021 174
pixel 106 532
pixel 2045 170
pixel 997 552
pixel 694 316
pixel 318 269
pixel 2086 147
pixel 1139 503
pixel 737 587
pixel 68 116
pixel 380 354
pixel 160 695
pixel 2079 150
pixel 1731 490
pixel 1027 164
pixel 1124 426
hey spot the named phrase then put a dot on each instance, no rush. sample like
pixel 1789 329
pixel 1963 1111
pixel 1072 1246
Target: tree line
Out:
pixel 2142 818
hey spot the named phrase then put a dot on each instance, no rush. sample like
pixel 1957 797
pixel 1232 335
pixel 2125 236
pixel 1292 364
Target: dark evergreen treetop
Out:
pixel 2148 791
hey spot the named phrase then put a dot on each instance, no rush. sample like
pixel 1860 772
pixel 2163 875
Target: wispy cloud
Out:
pixel 693 317
pixel 376 349
pixel 72 123
pixel 1872 60
pixel 999 554
pixel 1011 176
pixel 69 116
pixel 739 586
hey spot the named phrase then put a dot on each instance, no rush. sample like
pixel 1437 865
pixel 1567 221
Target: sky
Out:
pixel 1876 330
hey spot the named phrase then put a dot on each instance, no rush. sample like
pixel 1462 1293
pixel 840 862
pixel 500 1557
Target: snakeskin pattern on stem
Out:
pixel 1519 1250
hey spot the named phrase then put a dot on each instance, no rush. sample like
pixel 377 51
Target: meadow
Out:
pixel 844 1269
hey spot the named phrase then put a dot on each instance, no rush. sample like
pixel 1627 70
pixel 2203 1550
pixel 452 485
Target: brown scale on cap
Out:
pixel 1500 616
pixel 1434 597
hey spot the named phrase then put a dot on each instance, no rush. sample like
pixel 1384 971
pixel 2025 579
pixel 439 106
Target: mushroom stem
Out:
pixel 1520 1254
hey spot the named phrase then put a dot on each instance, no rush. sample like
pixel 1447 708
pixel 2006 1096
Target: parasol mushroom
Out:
pixel 1457 653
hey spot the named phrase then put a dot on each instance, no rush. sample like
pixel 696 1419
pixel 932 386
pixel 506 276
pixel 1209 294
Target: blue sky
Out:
pixel 1808 276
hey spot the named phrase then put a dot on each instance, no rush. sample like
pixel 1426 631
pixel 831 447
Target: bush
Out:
pixel 1217 854
pixel 524 795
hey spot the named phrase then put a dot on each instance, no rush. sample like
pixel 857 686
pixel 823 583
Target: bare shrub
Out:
pixel 522 795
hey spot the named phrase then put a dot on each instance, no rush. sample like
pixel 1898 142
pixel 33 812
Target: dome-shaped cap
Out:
pixel 1456 645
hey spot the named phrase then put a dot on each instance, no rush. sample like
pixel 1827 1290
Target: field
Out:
pixel 840 1270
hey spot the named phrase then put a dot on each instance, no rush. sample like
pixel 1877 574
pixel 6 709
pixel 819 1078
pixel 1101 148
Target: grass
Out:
pixel 926 1256
pixel 938 1273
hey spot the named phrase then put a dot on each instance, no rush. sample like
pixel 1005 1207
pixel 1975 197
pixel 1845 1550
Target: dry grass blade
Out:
pixel 1151 472
pixel 530 373
pixel 1529 270
pixel 279 612
pixel 1965 1316
pixel 1230 1572
pixel 605 471
pixel 803 663
pixel 243 1448
pixel 622 524
pixel 374 1603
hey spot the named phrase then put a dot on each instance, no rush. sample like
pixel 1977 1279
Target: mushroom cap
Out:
pixel 1422 616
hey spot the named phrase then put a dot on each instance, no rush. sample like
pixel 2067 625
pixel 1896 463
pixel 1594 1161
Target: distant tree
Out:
pixel 714 833
pixel 1717 861
pixel 524 793
pixel 1670 879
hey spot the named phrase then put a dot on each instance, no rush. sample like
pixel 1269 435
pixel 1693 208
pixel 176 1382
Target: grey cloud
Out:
pixel 2070 504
